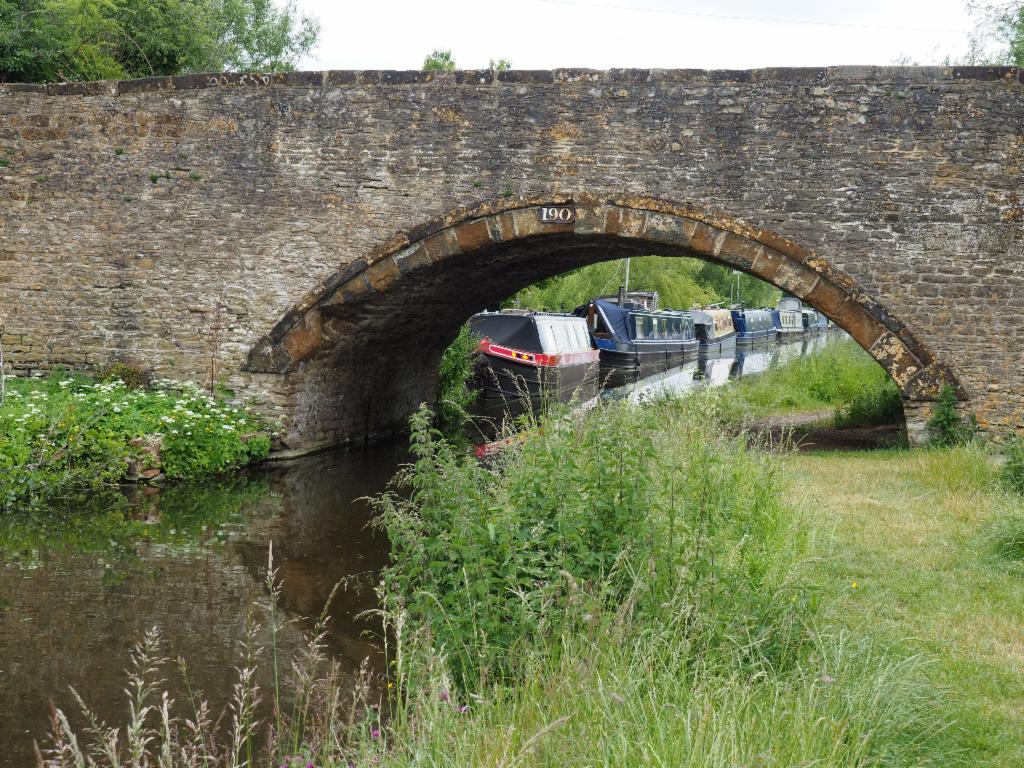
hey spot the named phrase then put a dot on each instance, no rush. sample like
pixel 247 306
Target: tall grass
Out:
pixel 1013 470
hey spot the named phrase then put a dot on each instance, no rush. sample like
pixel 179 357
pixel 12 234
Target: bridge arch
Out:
pixel 361 349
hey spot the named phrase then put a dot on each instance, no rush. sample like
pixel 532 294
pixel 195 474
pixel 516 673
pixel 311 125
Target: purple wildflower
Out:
pixel 463 709
pixel 444 696
pixel 375 734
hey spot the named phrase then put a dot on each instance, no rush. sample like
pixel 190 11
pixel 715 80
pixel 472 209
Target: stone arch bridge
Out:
pixel 313 240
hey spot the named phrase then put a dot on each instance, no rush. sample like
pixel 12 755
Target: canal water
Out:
pixel 79 588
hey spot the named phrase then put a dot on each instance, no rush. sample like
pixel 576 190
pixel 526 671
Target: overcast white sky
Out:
pixel 543 34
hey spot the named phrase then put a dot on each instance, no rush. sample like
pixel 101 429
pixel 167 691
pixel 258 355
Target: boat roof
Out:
pixel 615 316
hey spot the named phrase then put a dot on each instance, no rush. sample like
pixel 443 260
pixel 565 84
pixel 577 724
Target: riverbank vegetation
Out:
pixel 69 40
pixel 626 586
pixel 455 394
pixel 841 380
pixel 63 436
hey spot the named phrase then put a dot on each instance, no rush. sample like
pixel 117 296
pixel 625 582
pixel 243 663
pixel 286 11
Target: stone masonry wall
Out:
pixel 172 222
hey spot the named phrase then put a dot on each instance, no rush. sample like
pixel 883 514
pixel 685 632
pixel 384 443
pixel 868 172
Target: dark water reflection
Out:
pixel 191 561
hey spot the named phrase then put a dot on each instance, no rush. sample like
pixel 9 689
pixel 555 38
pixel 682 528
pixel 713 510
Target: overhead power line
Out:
pixel 763 19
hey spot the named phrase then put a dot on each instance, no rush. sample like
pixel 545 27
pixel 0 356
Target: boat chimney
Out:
pixel 622 296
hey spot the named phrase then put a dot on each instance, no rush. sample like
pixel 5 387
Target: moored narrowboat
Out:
pixel 754 327
pixel 715 331
pixel 788 318
pixel 637 339
pixel 534 353
pixel 814 321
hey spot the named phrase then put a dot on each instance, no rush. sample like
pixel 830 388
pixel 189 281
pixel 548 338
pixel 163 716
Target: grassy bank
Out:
pixel 841 379
pixel 928 537
pixel 64 436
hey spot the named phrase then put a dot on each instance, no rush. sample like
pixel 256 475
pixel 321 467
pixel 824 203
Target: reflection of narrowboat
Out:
pixel 753 326
pixel 534 353
pixel 788 318
pixel 635 338
pixel 715 331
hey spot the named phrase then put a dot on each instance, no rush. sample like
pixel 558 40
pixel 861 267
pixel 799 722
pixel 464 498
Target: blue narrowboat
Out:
pixel 715 331
pixel 635 338
pixel 788 318
pixel 754 327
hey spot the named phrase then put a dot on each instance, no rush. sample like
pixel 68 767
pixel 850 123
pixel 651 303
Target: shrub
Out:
pixel 622 506
pixel 454 395
pixel 130 375
pixel 870 405
pixel 946 426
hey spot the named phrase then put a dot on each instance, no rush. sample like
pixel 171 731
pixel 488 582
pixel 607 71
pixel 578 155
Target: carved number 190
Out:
pixel 557 214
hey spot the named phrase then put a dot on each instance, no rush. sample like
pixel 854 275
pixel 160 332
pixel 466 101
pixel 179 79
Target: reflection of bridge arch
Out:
pixel 369 337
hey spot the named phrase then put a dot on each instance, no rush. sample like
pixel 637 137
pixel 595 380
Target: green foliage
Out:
pixel 682 283
pixel 454 395
pixel 439 60
pixel 998 37
pixel 841 377
pixel 501 65
pixel 1013 470
pixel 56 40
pixel 628 579
pixel 876 401
pixel 621 505
pixel 62 437
pixel 741 287
pixel 946 426
pixel 673 278
pixel 1006 533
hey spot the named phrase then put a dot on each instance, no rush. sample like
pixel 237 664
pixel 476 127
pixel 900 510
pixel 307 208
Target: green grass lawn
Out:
pixel 911 529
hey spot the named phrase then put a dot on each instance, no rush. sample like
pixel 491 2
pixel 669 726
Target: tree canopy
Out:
pixel 67 40
pixel 999 33
pixel 441 59
pixel 681 283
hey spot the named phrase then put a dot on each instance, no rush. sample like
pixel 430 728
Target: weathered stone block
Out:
pixel 382 274
pixel 473 235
